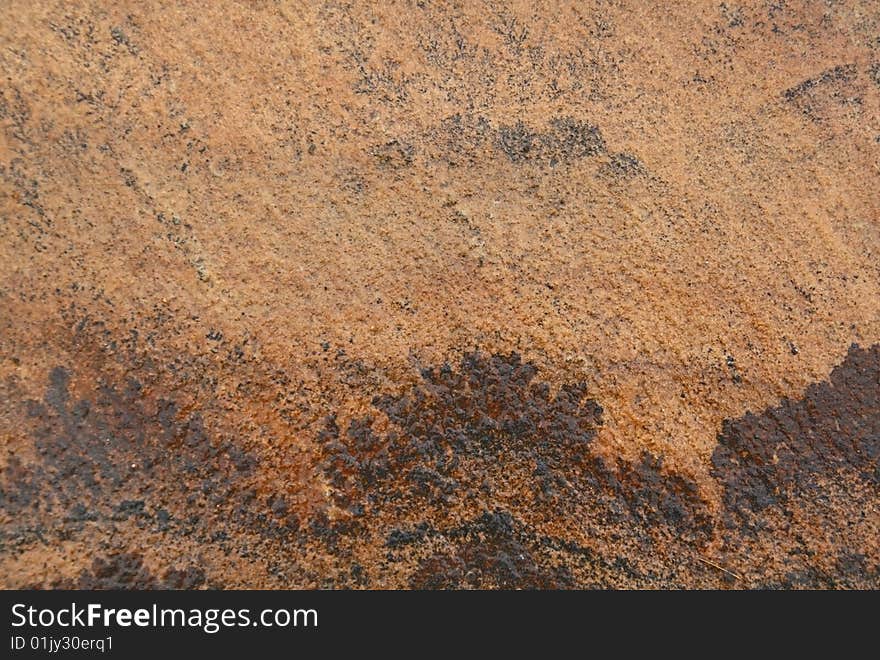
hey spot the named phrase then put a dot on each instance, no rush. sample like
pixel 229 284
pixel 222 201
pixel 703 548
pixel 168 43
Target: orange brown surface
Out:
pixel 440 295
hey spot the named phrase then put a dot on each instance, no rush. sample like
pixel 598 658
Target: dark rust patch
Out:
pixel 127 571
pixel 493 551
pixel 487 459
pixel 764 460
pixel 442 429
pixel 486 428
pixel 478 475
pixel 801 484
pixel 624 166
pixel 107 455
pixel 461 138
pixel 814 95
pixel 566 139
pixel 120 457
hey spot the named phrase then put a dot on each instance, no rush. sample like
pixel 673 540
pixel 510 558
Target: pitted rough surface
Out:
pixel 439 295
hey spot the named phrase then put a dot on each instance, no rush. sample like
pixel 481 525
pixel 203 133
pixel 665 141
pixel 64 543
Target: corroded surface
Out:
pixel 432 295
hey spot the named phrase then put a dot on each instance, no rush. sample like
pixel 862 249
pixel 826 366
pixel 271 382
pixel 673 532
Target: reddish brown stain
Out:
pixel 479 477
pixel 763 460
pixel 127 571
pixel 229 233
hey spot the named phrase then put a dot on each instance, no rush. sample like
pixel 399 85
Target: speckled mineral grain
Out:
pixel 422 294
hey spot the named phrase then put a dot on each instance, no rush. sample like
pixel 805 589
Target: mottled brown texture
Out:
pixel 439 294
pixel 127 571
pixel 834 430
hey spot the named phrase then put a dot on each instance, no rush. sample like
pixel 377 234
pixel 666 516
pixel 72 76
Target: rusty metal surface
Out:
pixel 437 295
